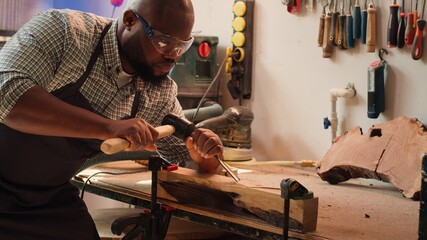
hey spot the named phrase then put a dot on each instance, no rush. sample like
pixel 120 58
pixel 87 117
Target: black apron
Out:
pixel 37 200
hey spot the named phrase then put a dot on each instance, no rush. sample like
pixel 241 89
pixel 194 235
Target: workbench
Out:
pixel 356 209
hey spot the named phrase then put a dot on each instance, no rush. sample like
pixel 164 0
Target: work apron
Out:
pixel 37 199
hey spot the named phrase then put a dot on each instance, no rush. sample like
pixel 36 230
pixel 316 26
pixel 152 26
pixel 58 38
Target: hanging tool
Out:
pixel 342 38
pixel 171 124
pixel 402 27
pixel 324 4
pixel 377 77
pixel 392 26
pixel 364 21
pixel 410 30
pixel 333 34
pixel 356 20
pixel 416 14
pixel 417 46
pixel 371 32
pixel 349 27
pixel 327 48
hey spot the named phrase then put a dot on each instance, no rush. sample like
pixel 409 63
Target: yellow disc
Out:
pixel 239 8
pixel 238 39
pixel 239 24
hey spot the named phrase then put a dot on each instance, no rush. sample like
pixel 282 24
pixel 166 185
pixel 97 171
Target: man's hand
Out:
pixel 203 145
pixel 139 133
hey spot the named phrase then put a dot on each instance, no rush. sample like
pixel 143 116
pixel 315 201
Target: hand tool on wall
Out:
pixel 363 22
pixel 349 27
pixel 342 39
pixel 356 20
pixel 410 30
pixel 371 32
pixel 327 48
pixel 416 14
pixel 333 33
pixel 417 46
pixel 402 27
pixel 392 26
pixel 171 124
pixel 324 4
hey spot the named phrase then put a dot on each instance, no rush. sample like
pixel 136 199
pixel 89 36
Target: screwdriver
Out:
pixel 410 30
pixel 364 21
pixel 371 37
pixel 417 46
pixel 327 48
pixel 392 26
pixel 333 33
pixel 349 27
pixel 356 20
pixel 402 27
pixel 342 41
pixel 416 14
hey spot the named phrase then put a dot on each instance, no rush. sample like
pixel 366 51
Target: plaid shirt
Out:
pixel 54 48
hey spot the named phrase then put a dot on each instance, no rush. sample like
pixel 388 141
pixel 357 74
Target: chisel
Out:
pixel 356 20
pixel 410 30
pixel 349 27
pixel 333 33
pixel 417 46
pixel 402 27
pixel 322 24
pixel 371 32
pixel 342 39
pixel 392 26
pixel 327 48
pixel 363 22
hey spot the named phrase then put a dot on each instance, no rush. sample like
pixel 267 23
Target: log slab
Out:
pixel 389 152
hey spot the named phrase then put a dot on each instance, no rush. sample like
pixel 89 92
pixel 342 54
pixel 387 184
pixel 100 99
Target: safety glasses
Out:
pixel 164 43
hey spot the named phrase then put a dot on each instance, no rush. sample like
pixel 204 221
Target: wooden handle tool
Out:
pixel 115 145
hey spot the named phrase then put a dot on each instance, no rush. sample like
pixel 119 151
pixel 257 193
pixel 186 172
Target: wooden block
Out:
pixel 246 199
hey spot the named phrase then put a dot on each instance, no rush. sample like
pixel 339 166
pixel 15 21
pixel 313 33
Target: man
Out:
pixel 69 80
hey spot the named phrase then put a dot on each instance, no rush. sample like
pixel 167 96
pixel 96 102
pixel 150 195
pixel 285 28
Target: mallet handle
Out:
pixel 114 145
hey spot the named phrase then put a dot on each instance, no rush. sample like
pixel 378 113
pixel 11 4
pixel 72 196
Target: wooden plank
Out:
pixel 389 152
pixel 223 193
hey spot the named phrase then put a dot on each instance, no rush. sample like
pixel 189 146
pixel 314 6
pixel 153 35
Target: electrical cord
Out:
pixel 104 172
pixel 209 87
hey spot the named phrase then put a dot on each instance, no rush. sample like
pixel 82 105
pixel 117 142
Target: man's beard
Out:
pixel 142 69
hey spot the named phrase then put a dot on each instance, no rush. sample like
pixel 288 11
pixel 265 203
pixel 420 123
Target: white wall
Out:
pixel 291 79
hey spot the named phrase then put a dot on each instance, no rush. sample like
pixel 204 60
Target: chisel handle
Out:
pixel 363 23
pixel 356 22
pixel 333 33
pixel 371 32
pixel 401 31
pixel 417 46
pixel 349 31
pixel 392 27
pixel 410 30
pixel 327 48
pixel 342 41
pixel 321 31
pixel 115 145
